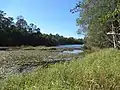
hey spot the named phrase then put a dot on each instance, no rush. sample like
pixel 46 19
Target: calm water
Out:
pixel 70 46
pixel 76 48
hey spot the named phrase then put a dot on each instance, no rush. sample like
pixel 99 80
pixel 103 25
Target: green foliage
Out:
pixel 20 33
pixel 96 18
pixel 97 71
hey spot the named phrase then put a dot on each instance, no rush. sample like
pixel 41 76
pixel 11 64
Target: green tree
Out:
pixel 20 33
pixel 96 17
pixel 21 23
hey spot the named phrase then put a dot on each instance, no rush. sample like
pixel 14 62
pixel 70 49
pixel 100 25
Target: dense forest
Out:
pixel 20 33
pixel 96 19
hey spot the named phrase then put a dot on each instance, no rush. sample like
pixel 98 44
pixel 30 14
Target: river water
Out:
pixel 76 48
pixel 70 46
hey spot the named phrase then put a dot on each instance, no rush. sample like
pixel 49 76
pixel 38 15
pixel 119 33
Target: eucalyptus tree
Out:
pixel 95 19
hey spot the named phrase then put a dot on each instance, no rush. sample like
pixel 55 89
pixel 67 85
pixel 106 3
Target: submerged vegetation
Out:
pixel 96 71
pixel 27 59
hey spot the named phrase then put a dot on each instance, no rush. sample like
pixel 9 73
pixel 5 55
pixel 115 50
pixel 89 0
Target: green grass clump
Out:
pixel 96 71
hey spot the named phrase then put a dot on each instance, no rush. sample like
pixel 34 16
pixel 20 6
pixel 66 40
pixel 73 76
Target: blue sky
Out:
pixel 52 16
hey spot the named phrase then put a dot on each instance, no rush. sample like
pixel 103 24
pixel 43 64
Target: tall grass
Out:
pixel 96 71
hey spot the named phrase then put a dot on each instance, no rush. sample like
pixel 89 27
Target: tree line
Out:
pixel 96 19
pixel 20 33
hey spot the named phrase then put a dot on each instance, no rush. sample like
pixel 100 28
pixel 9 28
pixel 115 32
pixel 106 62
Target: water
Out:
pixel 70 46
pixel 76 48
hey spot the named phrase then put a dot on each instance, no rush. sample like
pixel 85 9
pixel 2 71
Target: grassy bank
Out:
pixel 96 71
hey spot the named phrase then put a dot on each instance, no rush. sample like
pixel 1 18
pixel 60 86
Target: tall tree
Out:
pixel 96 17
pixel 20 33
pixel 21 23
